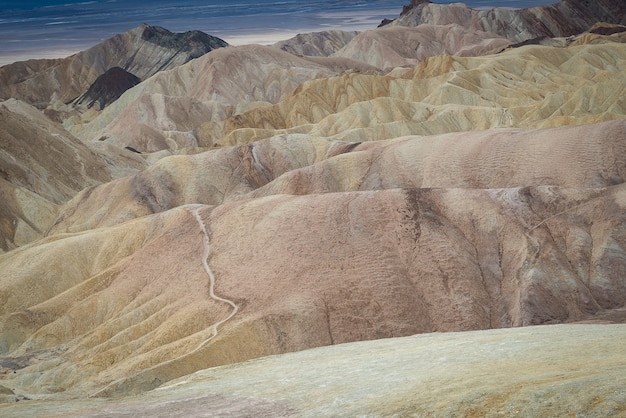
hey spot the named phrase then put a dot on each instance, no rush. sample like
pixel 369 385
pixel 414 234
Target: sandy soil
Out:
pixel 559 370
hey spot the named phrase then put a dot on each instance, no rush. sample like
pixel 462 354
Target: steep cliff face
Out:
pixel 566 18
pixel 142 51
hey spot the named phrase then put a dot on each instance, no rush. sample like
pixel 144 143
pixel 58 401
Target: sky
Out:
pixel 58 28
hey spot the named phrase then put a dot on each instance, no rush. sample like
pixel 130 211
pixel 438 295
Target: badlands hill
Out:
pixel 143 51
pixel 254 202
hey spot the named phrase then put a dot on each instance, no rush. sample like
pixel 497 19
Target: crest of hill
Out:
pixel 142 51
pixel 317 44
pixel 565 18
pixel 390 47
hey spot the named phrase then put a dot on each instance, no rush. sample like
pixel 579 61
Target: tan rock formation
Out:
pixel 530 87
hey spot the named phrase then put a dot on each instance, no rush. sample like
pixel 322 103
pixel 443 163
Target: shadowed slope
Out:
pixel 41 166
pixel 107 88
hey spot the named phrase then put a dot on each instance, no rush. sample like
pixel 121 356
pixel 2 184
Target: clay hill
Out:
pixel 415 219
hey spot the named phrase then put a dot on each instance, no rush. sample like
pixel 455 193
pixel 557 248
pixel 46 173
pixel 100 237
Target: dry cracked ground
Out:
pixel 388 223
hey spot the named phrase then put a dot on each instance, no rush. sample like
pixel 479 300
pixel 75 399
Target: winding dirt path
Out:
pixel 152 377
pixel 209 272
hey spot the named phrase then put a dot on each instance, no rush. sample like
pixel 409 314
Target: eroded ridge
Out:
pixel 209 272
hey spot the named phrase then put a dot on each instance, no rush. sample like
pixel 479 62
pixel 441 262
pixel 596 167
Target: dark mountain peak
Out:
pixel 108 88
pixel 414 3
pixel 143 51
pixel 191 41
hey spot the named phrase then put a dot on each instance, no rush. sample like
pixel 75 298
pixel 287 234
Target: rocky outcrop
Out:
pixel 107 88
pixel 566 18
pixel 142 51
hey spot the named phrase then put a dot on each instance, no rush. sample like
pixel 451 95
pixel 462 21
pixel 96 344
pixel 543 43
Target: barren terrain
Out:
pixel 372 211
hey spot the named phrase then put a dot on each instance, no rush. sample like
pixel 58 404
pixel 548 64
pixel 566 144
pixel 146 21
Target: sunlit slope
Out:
pixel 528 372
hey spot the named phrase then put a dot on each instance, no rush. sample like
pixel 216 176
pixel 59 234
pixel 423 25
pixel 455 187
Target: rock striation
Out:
pixel 565 18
